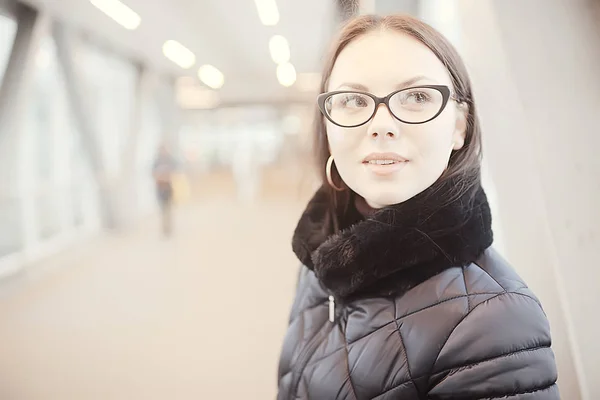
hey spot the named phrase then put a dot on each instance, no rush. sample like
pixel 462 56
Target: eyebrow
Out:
pixel 401 85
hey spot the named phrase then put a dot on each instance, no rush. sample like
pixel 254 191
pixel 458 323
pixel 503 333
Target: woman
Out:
pixel 401 296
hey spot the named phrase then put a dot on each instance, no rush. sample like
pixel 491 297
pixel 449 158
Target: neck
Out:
pixel 363 207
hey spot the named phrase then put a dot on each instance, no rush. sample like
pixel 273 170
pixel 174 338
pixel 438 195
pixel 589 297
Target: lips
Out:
pixel 384 163
pixel 384 158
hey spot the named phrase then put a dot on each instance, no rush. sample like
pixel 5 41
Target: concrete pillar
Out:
pixel 347 9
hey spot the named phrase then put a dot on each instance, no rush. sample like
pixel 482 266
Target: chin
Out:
pixel 381 193
pixel 384 198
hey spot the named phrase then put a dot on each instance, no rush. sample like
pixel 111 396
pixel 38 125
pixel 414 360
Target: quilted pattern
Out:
pixel 475 332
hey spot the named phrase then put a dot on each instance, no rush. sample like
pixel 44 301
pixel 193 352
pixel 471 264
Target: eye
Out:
pixel 417 97
pixel 416 100
pixel 353 100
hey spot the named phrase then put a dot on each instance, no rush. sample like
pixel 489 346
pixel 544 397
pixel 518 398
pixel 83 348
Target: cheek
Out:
pixel 434 140
pixel 342 140
pixel 345 145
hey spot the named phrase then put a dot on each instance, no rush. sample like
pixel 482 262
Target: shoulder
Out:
pixel 485 307
pixel 499 330
pixel 488 277
pixel 498 314
pixel 473 315
pixel 498 270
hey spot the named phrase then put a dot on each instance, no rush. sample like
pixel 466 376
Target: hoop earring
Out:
pixel 328 174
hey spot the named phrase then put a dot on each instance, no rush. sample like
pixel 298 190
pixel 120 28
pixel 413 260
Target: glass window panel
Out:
pixel 8 29
pixel 10 208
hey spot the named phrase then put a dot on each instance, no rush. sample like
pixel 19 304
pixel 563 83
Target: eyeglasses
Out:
pixel 415 105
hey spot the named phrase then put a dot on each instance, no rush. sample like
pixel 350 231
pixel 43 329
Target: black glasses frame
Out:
pixel 444 90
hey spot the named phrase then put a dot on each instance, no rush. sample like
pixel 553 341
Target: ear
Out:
pixel 460 130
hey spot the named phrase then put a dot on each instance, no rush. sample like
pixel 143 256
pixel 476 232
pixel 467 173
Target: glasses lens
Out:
pixel 416 104
pixel 349 108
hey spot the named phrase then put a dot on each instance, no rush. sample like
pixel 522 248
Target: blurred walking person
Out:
pixel 163 171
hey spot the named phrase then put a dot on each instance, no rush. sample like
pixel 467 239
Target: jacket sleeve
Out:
pixel 500 350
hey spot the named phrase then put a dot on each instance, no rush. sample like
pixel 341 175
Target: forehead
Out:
pixel 381 60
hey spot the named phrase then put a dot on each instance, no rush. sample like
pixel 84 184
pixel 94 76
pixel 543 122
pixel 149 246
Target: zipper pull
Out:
pixel 331 309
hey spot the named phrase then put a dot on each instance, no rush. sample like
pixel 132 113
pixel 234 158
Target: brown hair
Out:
pixel 464 165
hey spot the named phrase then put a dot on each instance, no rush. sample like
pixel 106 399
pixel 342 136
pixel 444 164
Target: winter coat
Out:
pixel 412 303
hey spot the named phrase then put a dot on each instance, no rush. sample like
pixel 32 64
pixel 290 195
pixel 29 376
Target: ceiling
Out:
pixel 225 33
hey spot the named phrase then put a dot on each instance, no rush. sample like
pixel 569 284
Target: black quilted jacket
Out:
pixel 432 315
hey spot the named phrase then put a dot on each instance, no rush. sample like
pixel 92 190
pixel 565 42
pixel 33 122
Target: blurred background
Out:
pixel 99 299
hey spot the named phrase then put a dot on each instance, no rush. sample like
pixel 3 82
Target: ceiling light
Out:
pixel 211 76
pixel 286 74
pixel 118 11
pixel 267 12
pixel 279 48
pixel 179 54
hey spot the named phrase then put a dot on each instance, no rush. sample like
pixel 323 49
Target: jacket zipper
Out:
pixel 331 309
pixel 311 347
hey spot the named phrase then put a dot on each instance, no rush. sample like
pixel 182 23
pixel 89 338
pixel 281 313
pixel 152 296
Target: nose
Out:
pixel 383 124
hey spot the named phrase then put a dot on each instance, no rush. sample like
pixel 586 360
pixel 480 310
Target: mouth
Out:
pixel 384 163
pixel 384 158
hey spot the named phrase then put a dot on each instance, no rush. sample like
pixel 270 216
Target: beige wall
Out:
pixel 535 67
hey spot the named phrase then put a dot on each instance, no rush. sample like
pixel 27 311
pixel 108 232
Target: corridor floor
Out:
pixel 135 316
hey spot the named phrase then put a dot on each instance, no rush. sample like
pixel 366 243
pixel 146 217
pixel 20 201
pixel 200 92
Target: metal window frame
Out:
pixel 8 8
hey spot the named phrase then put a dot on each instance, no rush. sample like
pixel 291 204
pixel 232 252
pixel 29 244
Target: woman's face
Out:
pixel 380 63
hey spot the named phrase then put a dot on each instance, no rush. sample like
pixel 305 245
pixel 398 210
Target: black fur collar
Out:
pixel 397 247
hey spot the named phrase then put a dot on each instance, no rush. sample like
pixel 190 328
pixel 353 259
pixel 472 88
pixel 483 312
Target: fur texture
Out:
pixel 397 247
